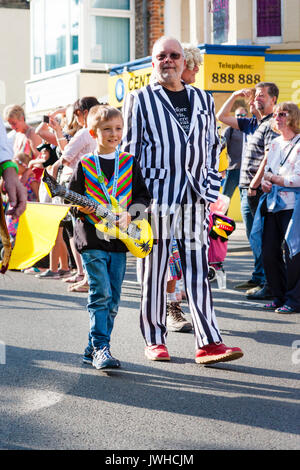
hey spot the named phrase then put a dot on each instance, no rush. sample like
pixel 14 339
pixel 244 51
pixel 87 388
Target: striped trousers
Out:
pixel 189 226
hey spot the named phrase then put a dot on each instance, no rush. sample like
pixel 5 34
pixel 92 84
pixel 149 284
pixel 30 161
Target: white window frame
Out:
pixel 57 71
pixel 208 25
pixel 266 39
pixel 108 12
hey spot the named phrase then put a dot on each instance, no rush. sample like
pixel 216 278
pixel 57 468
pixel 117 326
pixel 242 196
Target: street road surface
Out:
pixel 50 400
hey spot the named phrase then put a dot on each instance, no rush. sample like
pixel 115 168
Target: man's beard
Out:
pixel 167 75
pixel 260 106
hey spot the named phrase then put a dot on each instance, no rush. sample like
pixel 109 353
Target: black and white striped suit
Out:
pixel 180 170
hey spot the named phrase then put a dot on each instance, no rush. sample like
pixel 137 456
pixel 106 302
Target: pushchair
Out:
pixel 220 227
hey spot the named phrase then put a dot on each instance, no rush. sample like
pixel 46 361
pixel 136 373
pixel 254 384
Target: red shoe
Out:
pixel 157 352
pixel 217 352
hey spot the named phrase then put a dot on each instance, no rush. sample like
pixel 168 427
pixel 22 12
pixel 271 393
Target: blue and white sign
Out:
pixel 120 89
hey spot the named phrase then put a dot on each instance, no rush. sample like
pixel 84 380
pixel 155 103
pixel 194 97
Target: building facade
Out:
pixel 76 43
pixel 14 52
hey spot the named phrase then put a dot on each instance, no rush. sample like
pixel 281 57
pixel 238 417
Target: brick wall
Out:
pixel 140 33
pixel 156 21
pixel 144 40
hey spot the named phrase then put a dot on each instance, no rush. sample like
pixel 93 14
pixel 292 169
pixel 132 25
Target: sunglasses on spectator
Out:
pixel 241 115
pixel 281 114
pixel 172 55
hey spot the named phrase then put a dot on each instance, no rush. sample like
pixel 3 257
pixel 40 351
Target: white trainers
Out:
pixel 176 320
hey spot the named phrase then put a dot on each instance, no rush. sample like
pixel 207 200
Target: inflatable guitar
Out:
pixel 138 236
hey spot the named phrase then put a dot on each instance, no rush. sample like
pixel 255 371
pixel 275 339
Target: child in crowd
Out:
pixel 28 179
pixel 79 145
pixel 58 256
pixel 99 176
pixel 27 176
pixel 26 140
pixel 46 158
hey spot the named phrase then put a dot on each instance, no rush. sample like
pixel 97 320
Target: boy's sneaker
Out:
pixel 103 359
pixel 87 357
pixel 175 319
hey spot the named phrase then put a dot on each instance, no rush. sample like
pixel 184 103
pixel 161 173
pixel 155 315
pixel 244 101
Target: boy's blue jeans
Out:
pixel 105 273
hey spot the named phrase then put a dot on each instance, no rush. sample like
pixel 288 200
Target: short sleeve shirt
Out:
pixel 257 144
pixel 247 125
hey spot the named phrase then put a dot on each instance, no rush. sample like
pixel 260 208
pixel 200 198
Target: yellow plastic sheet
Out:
pixel 37 233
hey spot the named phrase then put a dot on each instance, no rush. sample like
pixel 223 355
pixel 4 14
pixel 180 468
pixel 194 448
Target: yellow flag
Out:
pixel 36 234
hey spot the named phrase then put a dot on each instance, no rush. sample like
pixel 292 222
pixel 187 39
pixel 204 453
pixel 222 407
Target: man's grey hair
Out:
pixel 166 38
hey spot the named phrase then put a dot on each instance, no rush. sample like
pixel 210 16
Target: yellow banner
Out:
pixel 230 73
pixel 36 234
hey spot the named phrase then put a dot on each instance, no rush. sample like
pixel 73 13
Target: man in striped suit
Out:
pixel 170 127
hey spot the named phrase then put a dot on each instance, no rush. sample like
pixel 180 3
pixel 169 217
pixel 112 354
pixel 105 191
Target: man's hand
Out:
pixel 245 93
pixel 17 193
pixel 224 115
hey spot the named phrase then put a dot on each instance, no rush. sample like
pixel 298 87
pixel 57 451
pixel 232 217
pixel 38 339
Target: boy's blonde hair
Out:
pixel 13 111
pixel 100 113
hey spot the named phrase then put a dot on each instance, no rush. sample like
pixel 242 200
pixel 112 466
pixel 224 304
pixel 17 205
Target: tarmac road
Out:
pixel 50 400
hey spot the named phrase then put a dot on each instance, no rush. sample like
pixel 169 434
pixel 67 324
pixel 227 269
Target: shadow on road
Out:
pixel 157 389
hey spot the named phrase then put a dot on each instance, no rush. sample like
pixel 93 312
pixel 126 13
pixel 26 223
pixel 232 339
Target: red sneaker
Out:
pixel 157 352
pixel 217 352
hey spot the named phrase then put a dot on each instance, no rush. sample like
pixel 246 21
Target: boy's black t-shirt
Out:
pixel 85 234
pixel 182 107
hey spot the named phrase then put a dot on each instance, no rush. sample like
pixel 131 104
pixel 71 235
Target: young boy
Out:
pixel 98 176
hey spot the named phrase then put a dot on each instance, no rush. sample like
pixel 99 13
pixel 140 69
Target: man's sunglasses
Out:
pixel 172 55
pixel 241 115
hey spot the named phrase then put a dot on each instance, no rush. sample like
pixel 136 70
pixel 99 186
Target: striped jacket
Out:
pixel 169 158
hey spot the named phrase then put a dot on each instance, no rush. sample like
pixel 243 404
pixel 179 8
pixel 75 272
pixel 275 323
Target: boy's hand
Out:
pixel 86 210
pixel 124 220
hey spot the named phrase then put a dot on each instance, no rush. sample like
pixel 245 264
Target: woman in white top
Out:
pixel 282 169
pixel 79 145
pixel 82 142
